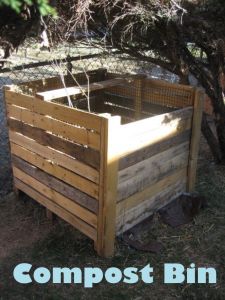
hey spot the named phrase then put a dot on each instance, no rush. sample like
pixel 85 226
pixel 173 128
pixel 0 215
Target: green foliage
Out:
pixel 43 5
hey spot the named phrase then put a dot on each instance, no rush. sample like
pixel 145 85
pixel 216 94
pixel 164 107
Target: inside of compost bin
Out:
pixel 99 92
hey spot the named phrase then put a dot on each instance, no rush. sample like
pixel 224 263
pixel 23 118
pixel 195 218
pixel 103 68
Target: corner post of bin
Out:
pixel 5 89
pixel 195 138
pixel 106 232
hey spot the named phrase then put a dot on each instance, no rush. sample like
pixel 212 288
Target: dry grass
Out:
pixel 35 241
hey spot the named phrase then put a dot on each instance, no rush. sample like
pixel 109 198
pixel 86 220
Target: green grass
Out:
pixel 201 242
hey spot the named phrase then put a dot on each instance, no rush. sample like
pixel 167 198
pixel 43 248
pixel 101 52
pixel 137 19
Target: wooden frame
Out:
pixel 101 172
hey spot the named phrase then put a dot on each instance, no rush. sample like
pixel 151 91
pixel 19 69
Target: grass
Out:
pixel 201 242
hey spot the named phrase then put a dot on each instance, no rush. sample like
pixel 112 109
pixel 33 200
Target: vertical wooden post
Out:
pixel 138 95
pixel 15 189
pixel 108 186
pixel 195 139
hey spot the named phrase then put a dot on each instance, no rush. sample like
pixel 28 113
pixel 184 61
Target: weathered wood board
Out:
pixel 106 170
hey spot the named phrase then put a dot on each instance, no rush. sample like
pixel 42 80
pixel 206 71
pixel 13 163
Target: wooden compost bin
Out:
pixel 106 170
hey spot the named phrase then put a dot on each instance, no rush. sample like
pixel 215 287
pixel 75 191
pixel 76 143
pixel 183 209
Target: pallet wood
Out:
pixel 152 150
pixel 195 139
pixel 156 161
pixel 61 173
pixel 57 185
pixel 142 179
pixel 58 210
pixel 108 188
pixel 55 110
pixel 142 211
pixel 97 174
pixel 73 133
pixel 138 135
pixel 65 92
pixel 57 157
pixel 56 197
pixel 150 191
pixel 86 155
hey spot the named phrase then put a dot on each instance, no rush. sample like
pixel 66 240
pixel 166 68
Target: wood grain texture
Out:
pixel 154 149
pixel 57 209
pixel 140 134
pixel 56 184
pixel 59 172
pixel 76 90
pixel 150 191
pixel 136 178
pixel 140 212
pixel 55 110
pixel 86 155
pixel 108 187
pixel 76 134
pixel 55 156
pixel 59 199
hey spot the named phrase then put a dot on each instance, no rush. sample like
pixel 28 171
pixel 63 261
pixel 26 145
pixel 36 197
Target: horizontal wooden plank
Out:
pixel 156 161
pixel 59 172
pixel 146 208
pixel 150 191
pixel 58 210
pixel 155 122
pixel 154 149
pixel 59 199
pixel 153 171
pixel 140 134
pixel 56 184
pixel 76 90
pixel 55 110
pixel 55 156
pixel 86 155
pixel 76 134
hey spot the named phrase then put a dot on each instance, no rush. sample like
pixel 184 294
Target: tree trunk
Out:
pixel 212 141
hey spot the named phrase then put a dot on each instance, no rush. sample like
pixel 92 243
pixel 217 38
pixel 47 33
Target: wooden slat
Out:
pixel 87 155
pixel 195 139
pixel 58 210
pixel 155 122
pixel 61 173
pixel 56 184
pixel 148 165
pixel 75 134
pixel 108 187
pixel 148 207
pixel 55 156
pixel 59 199
pixel 149 192
pixel 65 92
pixel 152 150
pixel 55 110
pixel 137 135
pixel 154 171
